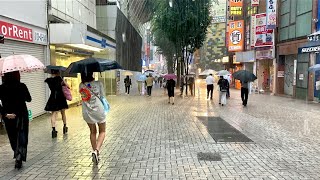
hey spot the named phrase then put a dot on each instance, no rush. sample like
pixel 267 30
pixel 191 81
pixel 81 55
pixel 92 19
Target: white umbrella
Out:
pixel 207 72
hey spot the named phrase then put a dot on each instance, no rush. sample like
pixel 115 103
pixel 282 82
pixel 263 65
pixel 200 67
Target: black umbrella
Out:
pixel 51 68
pixel 62 70
pixel 92 65
pixel 244 76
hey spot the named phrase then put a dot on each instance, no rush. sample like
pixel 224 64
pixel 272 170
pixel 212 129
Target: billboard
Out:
pixel 218 11
pixel 236 3
pixel 263 36
pixel 254 3
pixel 236 36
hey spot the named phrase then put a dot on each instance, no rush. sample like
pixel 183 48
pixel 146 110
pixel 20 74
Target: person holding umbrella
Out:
pixel 245 78
pixel 57 102
pixel 93 111
pixel 171 84
pixel 14 95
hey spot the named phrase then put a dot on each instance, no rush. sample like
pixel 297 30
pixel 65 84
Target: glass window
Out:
pixel 285 7
pixel 304 6
pixel 303 25
pixel 284 34
pixel 284 20
pixel 292 31
pixel 293 11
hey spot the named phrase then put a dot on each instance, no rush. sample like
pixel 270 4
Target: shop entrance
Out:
pixel 302 76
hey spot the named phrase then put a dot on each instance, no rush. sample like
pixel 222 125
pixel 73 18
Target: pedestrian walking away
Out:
pixel 191 84
pixel 171 84
pixel 93 111
pixel 210 86
pixel 223 85
pixel 127 83
pixel 57 101
pixel 14 95
pixel 244 93
pixel 149 83
pixel 227 77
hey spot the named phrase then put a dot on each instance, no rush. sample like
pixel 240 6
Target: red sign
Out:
pixel 264 36
pixel 15 32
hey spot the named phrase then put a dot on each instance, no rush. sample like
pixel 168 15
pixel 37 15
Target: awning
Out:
pixel 309 47
pixel 80 36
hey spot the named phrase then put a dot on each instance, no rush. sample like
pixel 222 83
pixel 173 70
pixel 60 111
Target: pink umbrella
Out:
pixel 170 76
pixel 22 63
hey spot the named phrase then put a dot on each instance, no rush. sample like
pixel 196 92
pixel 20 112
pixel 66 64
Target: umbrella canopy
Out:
pixel 170 76
pixel 223 73
pixel 314 68
pixel 127 73
pixel 244 76
pixel 207 72
pixel 22 63
pixel 142 78
pixel 51 68
pixel 92 65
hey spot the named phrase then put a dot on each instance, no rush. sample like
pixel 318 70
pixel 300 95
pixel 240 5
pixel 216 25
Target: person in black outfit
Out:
pixel 14 96
pixel 57 101
pixel 224 86
pixel 244 93
pixel 171 84
pixel 127 83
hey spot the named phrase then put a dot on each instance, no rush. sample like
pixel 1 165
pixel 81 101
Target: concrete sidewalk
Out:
pixel 149 139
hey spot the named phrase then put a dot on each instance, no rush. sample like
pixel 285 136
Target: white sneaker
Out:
pixel 95 157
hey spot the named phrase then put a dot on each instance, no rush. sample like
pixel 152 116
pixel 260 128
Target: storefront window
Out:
pixel 73 82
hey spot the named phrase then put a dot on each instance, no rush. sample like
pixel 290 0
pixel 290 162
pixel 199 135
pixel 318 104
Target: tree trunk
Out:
pixel 170 62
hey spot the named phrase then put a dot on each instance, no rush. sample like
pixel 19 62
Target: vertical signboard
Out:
pixel 254 3
pixel 263 36
pixel 235 36
pixel 271 14
pixel 253 30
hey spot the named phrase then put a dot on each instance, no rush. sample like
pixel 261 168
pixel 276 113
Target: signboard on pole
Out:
pixel 254 3
pixel 271 14
pixel 236 3
pixel 236 36
pixel 263 36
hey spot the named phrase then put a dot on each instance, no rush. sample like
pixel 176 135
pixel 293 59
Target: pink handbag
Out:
pixel 66 91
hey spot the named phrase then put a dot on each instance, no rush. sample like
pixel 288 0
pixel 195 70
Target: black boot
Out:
pixel 65 129
pixel 18 164
pixel 54 134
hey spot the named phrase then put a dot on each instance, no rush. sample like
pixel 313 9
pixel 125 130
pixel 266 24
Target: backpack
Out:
pixel 224 85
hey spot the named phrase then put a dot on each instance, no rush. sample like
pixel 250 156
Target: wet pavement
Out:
pixel 147 138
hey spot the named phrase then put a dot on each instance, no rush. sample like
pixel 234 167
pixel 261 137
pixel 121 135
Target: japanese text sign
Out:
pixel 235 36
pixel 263 36
pixel 271 14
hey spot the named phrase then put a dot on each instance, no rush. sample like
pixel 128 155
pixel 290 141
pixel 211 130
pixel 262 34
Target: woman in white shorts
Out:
pixel 93 111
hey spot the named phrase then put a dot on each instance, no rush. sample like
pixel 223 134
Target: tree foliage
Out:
pixel 181 26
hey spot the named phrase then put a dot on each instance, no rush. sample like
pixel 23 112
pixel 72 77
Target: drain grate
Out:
pixel 221 131
pixel 208 156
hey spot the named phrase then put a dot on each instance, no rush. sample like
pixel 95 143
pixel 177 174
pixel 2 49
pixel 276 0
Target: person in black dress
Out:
pixel 171 84
pixel 14 95
pixel 57 101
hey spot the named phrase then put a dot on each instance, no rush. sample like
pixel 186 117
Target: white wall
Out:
pixel 106 19
pixel 75 11
pixel 29 11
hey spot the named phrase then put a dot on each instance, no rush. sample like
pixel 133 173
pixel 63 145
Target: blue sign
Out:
pixel 102 42
pixel 317 77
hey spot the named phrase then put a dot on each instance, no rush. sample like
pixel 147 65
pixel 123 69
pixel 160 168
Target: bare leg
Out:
pixel 63 114
pixel 54 118
pixel 93 136
pixel 101 136
pixel 172 100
